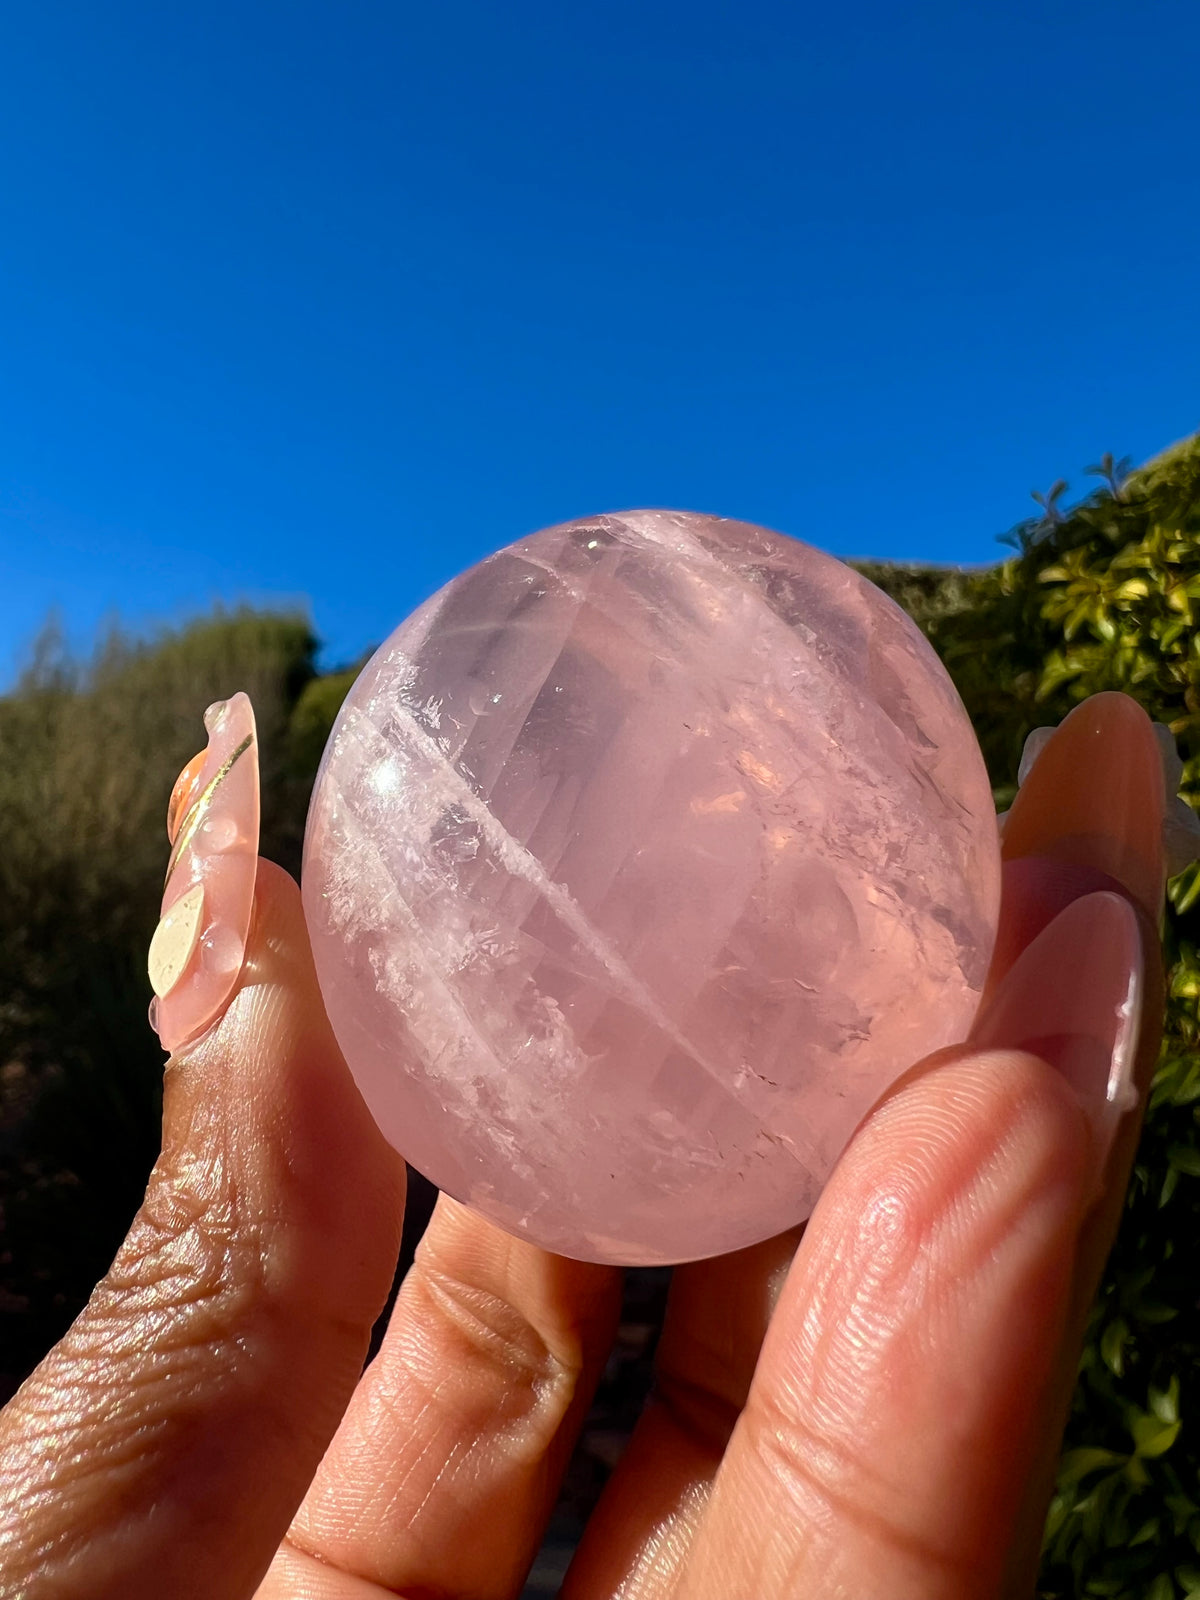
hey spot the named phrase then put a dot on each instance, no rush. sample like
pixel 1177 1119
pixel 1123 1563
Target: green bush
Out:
pixel 1106 596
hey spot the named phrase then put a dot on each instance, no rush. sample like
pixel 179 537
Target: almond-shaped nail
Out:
pixel 1181 825
pixel 1094 798
pixel 198 948
pixel 1074 998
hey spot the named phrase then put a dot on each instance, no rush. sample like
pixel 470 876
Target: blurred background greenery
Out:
pixel 1103 595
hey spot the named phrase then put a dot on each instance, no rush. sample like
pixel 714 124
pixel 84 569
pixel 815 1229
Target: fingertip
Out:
pixel 275 890
pixel 1095 799
pixel 269 1080
pixel 277 986
pixel 963 1133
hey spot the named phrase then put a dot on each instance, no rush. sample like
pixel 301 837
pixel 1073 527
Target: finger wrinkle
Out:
pixel 467 1384
pixel 1016 1157
pixel 429 1464
pixel 835 1500
pixel 444 1469
pixel 273 1182
pixel 117 1433
pixel 167 1440
pixel 160 1333
pixel 120 1442
pixel 662 1556
pixel 705 1417
pixel 858 1292
pixel 299 1574
pixel 472 1326
pixel 913 1233
pixel 389 1481
pixel 192 1265
pixel 998 1130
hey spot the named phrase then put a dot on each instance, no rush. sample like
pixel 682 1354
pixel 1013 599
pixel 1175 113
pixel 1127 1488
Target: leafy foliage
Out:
pixel 1107 596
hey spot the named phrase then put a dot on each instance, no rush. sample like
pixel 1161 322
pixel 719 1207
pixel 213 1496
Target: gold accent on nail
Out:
pixel 174 940
pixel 183 794
pixel 191 822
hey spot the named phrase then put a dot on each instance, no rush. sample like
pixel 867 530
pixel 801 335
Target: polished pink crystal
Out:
pixel 642 859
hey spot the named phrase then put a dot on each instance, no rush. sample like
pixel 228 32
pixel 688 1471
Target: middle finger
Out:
pixel 447 1463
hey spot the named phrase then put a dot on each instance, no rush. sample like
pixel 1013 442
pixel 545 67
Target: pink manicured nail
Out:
pixel 1074 998
pixel 1094 798
pixel 198 948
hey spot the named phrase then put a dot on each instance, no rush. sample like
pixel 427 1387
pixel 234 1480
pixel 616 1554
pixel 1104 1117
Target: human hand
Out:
pixel 206 1429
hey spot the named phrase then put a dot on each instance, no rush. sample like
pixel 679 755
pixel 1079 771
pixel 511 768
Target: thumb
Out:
pixel 163 1445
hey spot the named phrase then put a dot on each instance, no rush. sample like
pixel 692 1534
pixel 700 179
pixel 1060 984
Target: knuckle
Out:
pixel 492 1328
pixel 483 1357
pixel 190 1266
pixel 699 1412
pixel 829 1487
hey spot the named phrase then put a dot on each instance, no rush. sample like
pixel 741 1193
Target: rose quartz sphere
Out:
pixel 642 859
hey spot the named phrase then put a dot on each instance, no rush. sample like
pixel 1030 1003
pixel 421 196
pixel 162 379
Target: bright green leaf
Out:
pixel 1153 1437
pixel 1078 1464
pixel 1164 1403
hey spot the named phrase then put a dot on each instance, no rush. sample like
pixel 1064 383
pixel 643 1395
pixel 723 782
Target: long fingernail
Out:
pixel 1074 998
pixel 198 948
pixel 1094 799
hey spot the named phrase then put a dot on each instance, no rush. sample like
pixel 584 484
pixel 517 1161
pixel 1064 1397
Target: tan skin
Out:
pixel 206 1427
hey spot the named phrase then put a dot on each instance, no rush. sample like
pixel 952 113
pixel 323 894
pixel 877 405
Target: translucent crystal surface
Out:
pixel 642 859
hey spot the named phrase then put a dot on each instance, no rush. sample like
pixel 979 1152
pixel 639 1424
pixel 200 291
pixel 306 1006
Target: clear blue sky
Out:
pixel 327 300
